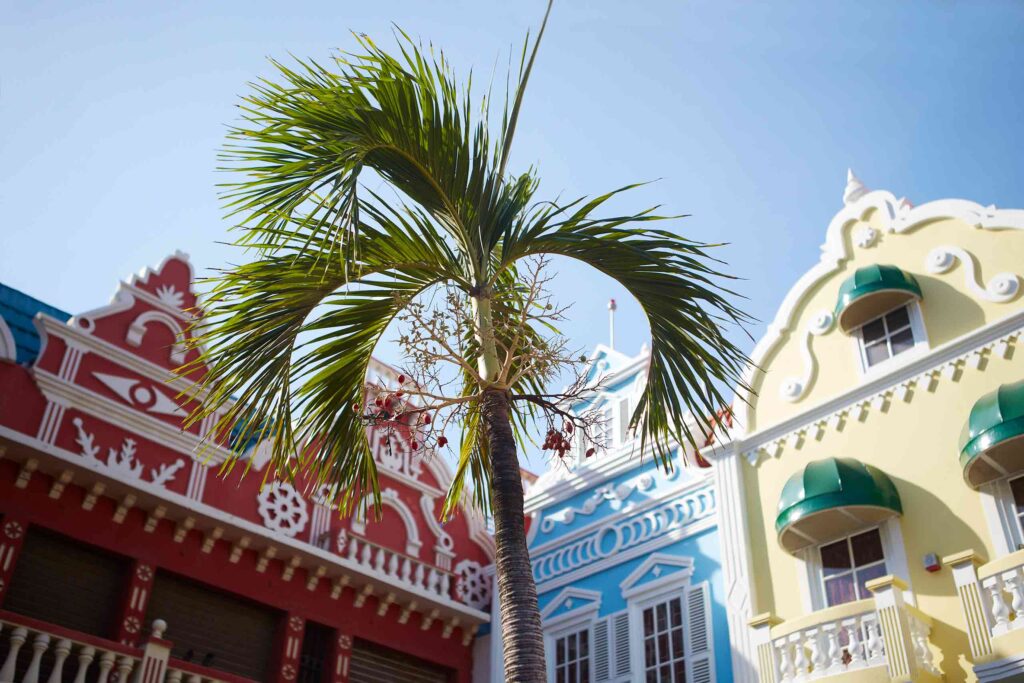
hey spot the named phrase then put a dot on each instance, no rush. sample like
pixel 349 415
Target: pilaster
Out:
pixel 12 536
pixel 289 649
pixel 341 656
pixel 761 626
pixel 965 575
pixel 133 607
pixel 892 617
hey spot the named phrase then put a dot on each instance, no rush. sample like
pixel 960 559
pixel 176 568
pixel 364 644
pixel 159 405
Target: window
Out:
pixel 572 657
pixel 848 564
pixel 887 336
pixel 1017 489
pixel 664 659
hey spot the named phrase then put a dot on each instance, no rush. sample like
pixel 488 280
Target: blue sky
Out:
pixel 748 113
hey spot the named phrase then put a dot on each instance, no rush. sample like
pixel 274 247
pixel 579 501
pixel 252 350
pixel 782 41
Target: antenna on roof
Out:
pixel 611 323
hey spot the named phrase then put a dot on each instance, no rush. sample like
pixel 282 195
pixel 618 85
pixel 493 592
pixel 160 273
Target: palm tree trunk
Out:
pixel 517 593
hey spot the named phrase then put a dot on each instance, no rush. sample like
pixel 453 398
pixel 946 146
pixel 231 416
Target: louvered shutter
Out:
pixel 602 651
pixel 624 420
pixel 620 627
pixel 699 664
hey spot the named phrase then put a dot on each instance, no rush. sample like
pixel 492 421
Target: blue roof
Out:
pixel 18 309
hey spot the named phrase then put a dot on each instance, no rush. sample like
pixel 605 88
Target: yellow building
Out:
pixel 872 490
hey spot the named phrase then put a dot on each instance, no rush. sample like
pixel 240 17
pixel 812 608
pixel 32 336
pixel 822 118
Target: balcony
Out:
pixel 882 638
pixel 992 596
pixel 37 651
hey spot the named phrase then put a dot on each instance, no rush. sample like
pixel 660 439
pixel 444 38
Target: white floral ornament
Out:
pixel 472 585
pixel 132 625
pixel 288 672
pixel 13 530
pixel 144 572
pixel 282 508
pixel 865 236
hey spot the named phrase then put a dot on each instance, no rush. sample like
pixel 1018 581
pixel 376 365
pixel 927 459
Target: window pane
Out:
pixel 584 643
pixel 677 643
pixel 650 656
pixel 666 674
pixel 865 575
pixel 867 548
pixel 675 607
pixel 652 676
pixel 897 319
pixel 573 677
pixel 1017 487
pixel 835 557
pixel 876 353
pixel 662 618
pixel 680 668
pixel 560 650
pixel 572 647
pixel 873 331
pixel 663 653
pixel 585 670
pixel 840 589
pixel 902 341
pixel 560 676
pixel 648 621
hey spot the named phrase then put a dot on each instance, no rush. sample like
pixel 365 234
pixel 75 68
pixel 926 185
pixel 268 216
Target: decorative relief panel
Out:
pixel 1001 288
pixel 795 388
pixel 616 496
pixel 123 461
pixel 282 508
pixel 140 394
pixel 472 584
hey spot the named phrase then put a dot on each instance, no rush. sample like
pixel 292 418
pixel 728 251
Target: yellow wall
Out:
pixel 914 440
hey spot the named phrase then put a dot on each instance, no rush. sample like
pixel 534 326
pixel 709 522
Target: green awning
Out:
pixel 991 443
pixel 871 292
pixel 833 497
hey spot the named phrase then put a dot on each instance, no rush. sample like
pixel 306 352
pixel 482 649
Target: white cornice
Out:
pixel 208 518
pixel 897 216
pixel 918 369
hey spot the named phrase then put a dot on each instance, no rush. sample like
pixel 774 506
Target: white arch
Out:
pixel 390 497
pixel 137 330
pixel 8 349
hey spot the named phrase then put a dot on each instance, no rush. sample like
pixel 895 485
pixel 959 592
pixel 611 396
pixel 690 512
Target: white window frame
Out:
pixel 585 629
pixel 676 584
pixel 853 567
pixel 812 576
pixel 1005 527
pixel 575 620
pixel 920 347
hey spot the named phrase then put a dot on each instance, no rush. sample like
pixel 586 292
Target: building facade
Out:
pixel 626 556
pixel 871 491
pixel 112 519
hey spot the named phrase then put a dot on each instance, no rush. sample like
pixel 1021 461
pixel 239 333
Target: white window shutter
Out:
pixel 602 651
pixel 699 661
pixel 620 625
pixel 624 420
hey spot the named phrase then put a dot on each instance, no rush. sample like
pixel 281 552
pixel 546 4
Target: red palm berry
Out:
pixel 414 445
pixel 442 442
pixel 426 418
pixel 401 379
pixel 590 452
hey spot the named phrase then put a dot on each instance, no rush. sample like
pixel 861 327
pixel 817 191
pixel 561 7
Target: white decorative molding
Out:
pixel 282 509
pixel 854 189
pixel 8 349
pixel 653 564
pixel 444 539
pixel 390 498
pixel 568 598
pixel 873 395
pixel 619 537
pixel 794 388
pixel 171 296
pixel 1001 288
pixel 865 237
pixel 137 394
pixel 892 215
pixel 123 461
pixel 615 495
pixel 137 331
pixel 472 584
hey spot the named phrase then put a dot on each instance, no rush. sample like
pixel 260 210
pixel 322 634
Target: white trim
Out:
pixel 444 539
pixel 137 332
pixel 570 594
pixel 390 497
pixel 1001 515
pixel 897 216
pixel 684 565
pixel 8 349
pixel 951 351
pixel 918 350
pixel 209 517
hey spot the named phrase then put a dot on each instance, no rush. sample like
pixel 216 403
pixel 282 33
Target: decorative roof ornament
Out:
pixel 855 189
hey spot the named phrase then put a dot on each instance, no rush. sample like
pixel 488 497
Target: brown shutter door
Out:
pixel 212 628
pixel 372 663
pixel 67 583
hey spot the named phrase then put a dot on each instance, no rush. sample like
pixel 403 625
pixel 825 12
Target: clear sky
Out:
pixel 748 113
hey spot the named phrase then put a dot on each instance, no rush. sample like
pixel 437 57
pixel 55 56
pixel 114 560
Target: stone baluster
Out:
pixel 819 660
pixel 875 652
pixel 800 662
pixel 432 581
pixel 786 669
pixel 393 565
pixel 353 549
pixel 855 647
pixel 60 653
pixel 1012 581
pixel 379 562
pixel 446 584
pixel 406 570
pixel 194 678
pixel 1000 612
pixel 124 669
pixel 85 657
pixel 40 644
pixel 835 650
pixel 18 638
pixel 106 664
pixel 173 676
pixel 367 554
pixel 420 571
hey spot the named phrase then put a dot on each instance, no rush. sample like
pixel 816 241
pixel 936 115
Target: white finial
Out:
pixel 854 188
pixel 611 323
pixel 159 626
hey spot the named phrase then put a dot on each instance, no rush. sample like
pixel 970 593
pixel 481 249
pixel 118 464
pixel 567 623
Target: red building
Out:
pixel 111 518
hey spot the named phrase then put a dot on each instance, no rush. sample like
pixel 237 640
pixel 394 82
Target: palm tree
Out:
pixel 288 337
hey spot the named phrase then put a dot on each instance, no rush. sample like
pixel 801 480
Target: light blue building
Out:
pixel 627 558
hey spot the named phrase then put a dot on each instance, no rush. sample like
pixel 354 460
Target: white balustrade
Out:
pixel 180 676
pixel 399 567
pixel 46 657
pixel 831 647
pixel 919 632
pixel 1004 593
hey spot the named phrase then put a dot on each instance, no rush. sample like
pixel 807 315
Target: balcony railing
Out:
pixel 882 633
pixel 41 652
pixel 399 567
